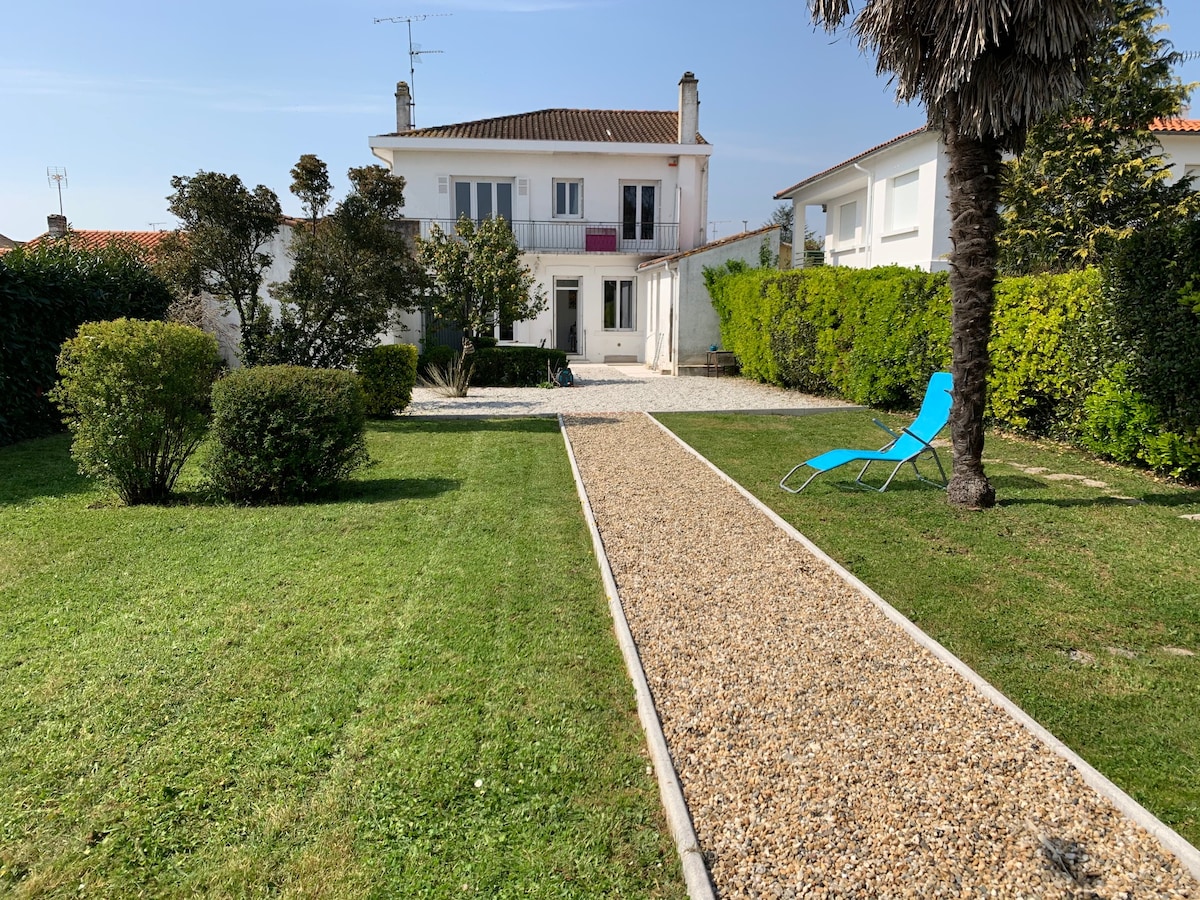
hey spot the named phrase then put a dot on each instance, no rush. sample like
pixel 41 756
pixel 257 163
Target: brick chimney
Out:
pixel 56 225
pixel 403 107
pixel 689 109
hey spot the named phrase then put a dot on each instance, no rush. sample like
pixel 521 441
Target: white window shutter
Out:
pixel 521 201
pixel 443 197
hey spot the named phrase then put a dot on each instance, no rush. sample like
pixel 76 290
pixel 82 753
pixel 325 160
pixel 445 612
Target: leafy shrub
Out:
pixel 283 433
pixel 514 366
pixel 436 355
pixel 388 373
pixel 1042 365
pixel 135 396
pixel 46 293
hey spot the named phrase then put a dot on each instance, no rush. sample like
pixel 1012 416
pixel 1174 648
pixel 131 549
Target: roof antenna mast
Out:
pixel 56 176
pixel 414 55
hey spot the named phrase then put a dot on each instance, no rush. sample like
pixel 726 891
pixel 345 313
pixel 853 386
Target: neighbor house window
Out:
pixel 618 304
pixel 480 199
pixel 847 222
pixel 568 198
pixel 901 213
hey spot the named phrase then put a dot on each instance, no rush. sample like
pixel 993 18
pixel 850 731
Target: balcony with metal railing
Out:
pixel 579 236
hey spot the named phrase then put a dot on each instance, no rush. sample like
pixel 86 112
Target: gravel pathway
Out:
pixel 609 388
pixel 822 752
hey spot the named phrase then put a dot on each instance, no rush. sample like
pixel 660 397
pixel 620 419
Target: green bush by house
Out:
pixel 46 293
pixel 1104 360
pixel 284 433
pixel 135 397
pixel 388 373
pixel 513 366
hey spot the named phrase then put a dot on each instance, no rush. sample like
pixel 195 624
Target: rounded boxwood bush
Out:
pixel 388 373
pixel 284 433
pixel 135 397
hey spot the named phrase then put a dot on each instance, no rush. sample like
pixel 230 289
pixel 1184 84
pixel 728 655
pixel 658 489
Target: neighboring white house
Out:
pixel 889 205
pixel 590 194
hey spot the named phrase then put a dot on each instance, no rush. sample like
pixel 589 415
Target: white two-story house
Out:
pixel 890 205
pixel 590 195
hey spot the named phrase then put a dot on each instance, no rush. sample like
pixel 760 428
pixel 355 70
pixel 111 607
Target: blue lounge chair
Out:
pixel 905 447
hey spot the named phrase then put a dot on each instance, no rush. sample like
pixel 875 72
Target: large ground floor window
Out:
pixel 619 305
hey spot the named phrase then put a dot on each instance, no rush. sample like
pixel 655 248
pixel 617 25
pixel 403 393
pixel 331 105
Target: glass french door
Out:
pixel 639 204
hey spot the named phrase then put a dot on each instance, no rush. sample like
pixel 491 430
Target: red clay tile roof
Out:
pixel 612 126
pixel 850 161
pixel 94 240
pixel 1175 126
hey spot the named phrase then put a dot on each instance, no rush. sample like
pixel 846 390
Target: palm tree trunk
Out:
pixel 972 177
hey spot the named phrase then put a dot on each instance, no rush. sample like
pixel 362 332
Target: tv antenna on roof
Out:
pixel 414 55
pixel 56 176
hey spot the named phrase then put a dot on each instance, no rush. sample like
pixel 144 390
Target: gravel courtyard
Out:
pixel 822 752
pixel 628 388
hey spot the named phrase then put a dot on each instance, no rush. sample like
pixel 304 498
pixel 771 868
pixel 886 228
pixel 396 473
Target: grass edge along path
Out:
pixel 407 689
pixel 1080 602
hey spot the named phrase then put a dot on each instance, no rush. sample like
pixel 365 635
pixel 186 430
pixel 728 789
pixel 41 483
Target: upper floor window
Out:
pixel 568 198
pixel 480 199
pixel 847 222
pixel 901 203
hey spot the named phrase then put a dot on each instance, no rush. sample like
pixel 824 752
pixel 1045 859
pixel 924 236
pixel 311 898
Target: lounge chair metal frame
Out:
pixel 926 449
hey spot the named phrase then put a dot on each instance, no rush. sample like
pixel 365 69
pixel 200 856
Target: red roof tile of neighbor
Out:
pixel 611 126
pixel 94 240
pixel 1173 126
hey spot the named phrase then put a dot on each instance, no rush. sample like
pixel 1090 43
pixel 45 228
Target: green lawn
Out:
pixel 409 689
pixel 1057 567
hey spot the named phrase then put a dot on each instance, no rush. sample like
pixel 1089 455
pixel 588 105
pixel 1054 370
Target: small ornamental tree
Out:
pixel 220 250
pixel 135 396
pixel 478 277
pixel 351 271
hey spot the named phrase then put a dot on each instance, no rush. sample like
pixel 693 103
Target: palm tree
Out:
pixel 985 70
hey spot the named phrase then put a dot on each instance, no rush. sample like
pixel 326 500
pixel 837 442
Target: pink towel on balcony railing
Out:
pixel 600 240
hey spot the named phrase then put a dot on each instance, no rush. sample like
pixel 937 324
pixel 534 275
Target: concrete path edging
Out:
pixel 695 872
pixel 1171 840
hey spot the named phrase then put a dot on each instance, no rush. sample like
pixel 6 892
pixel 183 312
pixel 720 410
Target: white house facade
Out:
pixel 890 206
pixel 590 195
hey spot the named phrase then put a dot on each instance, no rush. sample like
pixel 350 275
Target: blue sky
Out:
pixel 125 95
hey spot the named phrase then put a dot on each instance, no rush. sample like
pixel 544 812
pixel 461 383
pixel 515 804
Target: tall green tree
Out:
pixel 1094 173
pixel 351 271
pixel 310 182
pixel 984 71
pixel 220 248
pixel 478 277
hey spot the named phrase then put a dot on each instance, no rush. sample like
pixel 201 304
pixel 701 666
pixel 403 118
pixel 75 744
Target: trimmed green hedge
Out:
pixel 285 433
pixel 46 293
pixel 388 373
pixel 499 366
pixel 1081 357
pixel 514 366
